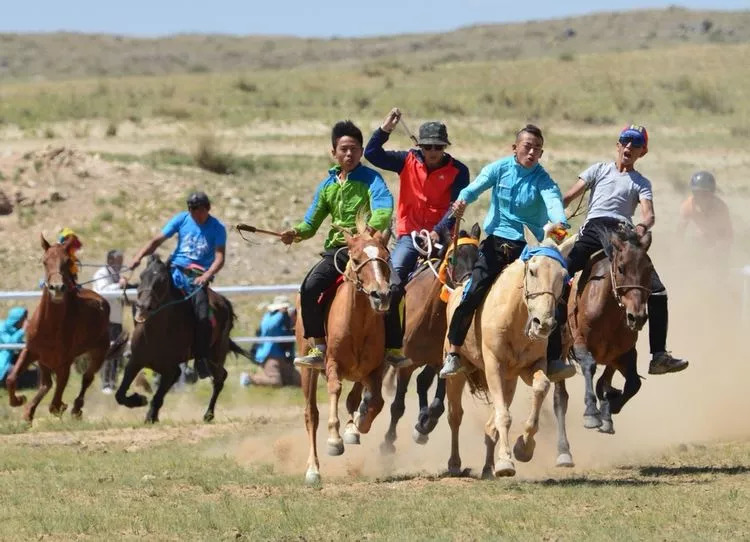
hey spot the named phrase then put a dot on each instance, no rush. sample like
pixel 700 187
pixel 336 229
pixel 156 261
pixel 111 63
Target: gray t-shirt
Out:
pixel 614 194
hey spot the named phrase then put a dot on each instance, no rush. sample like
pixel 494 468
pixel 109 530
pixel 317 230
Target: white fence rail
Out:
pixel 229 291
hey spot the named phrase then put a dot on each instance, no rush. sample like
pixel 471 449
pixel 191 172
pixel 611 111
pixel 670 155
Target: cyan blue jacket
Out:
pixel 10 333
pixel 274 324
pixel 519 196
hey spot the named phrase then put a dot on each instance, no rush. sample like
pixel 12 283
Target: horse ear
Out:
pixel 646 241
pixel 386 237
pixel 616 242
pixel 476 231
pixel 566 246
pixel 531 239
pixel 45 243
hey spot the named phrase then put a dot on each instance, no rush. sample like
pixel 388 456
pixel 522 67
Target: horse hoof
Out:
pixel 419 438
pixel 592 422
pixel 524 451
pixel 335 447
pixel 565 460
pixel 387 448
pixel 607 427
pixel 505 468
pixel 208 417
pixel 312 477
pixel 76 414
pixel 350 437
pixel 487 473
pixel 17 400
pixel 58 411
pixel 454 470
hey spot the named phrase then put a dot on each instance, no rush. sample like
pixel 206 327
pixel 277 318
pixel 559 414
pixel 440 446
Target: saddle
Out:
pixel 327 295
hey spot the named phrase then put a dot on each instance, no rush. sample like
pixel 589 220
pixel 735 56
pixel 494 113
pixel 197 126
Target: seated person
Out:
pixel 13 331
pixel 276 357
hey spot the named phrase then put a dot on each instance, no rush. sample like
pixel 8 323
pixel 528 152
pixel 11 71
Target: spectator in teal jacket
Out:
pixel 12 331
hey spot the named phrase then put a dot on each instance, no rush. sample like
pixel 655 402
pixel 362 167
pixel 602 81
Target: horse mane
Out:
pixel 625 232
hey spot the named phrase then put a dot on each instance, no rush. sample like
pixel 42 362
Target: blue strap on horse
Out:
pixel 549 252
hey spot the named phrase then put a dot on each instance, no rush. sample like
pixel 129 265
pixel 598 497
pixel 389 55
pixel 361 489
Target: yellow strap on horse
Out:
pixel 443 271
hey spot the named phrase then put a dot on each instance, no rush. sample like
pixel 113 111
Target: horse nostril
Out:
pixel 631 317
pixel 536 321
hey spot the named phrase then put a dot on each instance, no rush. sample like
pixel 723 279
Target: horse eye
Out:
pixel 621 268
pixel 532 272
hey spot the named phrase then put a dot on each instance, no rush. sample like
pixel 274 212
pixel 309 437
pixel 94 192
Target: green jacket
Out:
pixel 364 190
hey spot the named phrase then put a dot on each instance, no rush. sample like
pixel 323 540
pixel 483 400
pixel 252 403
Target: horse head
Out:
pixel 543 282
pixel 459 257
pixel 154 289
pixel 368 266
pixel 630 270
pixel 57 276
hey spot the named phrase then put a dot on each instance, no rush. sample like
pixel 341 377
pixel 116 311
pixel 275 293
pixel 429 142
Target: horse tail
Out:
pixel 237 350
pixel 117 348
pixel 478 385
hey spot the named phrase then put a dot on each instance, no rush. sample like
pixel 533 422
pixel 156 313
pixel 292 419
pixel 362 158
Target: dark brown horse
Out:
pixel 425 328
pixel 163 338
pixel 67 323
pixel 606 310
pixel 355 334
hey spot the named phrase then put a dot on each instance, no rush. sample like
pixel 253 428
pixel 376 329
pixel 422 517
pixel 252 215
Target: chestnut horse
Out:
pixel 68 322
pixel 163 338
pixel 508 339
pixel 606 310
pixel 355 335
pixel 424 331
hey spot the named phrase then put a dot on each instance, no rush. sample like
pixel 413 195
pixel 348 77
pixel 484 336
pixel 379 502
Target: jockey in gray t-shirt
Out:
pixel 616 190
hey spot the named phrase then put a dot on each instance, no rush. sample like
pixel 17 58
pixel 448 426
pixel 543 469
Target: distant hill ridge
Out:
pixel 72 55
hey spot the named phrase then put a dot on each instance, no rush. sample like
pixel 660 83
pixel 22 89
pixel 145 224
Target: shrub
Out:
pixel 209 156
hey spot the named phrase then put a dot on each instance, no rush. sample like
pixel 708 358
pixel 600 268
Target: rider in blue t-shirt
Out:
pixel 198 256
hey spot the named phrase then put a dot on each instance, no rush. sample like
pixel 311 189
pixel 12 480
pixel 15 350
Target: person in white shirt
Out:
pixel 106 279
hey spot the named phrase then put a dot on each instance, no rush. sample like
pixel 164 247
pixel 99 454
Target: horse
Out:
pixel 355 332
pixel 163 338
pixel 508 339
pixel 606 310
pixel 424 330
pixel 68 322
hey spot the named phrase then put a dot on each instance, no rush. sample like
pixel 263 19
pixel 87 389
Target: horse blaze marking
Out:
pixel 372 253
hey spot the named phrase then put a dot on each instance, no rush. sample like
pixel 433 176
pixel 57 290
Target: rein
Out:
pixel 169 303
pixel 356 268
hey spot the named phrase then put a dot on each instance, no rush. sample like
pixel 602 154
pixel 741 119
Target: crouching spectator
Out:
pixel 276 358
pixel 13 331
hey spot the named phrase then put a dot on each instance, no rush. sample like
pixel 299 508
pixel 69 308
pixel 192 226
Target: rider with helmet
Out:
pixel 74 246
pixel 617 188
pixel 706 211
pixel 198 256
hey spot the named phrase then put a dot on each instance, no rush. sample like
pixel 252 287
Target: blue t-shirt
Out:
pixel 196 243
pixel 274 324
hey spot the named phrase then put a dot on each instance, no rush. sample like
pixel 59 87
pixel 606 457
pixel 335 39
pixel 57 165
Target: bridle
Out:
pixel 621 290
pixel 356 269
pixel 532 295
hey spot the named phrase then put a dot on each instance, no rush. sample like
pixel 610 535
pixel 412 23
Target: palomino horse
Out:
pixel 356 346
pixel 508 339
pixel 67 323
pixel 163 338
pixel 606 310
pixel 425 328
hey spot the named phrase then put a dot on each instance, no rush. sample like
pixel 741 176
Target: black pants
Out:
pixel 199 303
pixel 586 245
pixel 108 372
pixel 495 254
pixel 321 277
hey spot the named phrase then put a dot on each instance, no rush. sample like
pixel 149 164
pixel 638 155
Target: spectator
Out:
pixel 106 279
pixel 276 358
pixel 12 331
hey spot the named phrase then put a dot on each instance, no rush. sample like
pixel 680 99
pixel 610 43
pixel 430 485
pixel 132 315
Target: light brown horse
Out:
pixel 424 330
pixel 67 323
pixel 606 310
pixel 508 339
pixel 355 335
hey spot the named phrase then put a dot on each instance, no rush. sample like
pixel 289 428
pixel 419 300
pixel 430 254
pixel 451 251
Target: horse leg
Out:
pixel 310 388
pixel 524 447
pixel 424 381
pixel 335 442
pixel 629 364
pixel 428 418
pixel 167 380
pixel 564 457
pixel 591 416
pixel 19 367
pixel 97 359
pixel 219 377
pixel 134 399
pixel 605 391
pixel 397 409
pixel 372 401
pixel 351 433
pixel 454 390
pixel 62 373
pixel 45 383
pixel 491 435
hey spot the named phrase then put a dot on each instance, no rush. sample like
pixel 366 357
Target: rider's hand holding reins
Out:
pixel 202 279
pixel 458 208
pixel 391 120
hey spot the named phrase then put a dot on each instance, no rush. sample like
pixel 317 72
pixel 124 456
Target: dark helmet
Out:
pixel 703 180
pixel 197 200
